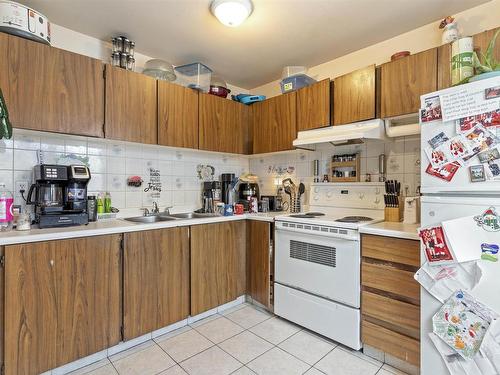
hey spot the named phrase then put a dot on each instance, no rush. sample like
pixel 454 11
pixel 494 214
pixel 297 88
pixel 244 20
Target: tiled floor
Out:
pixel 240 341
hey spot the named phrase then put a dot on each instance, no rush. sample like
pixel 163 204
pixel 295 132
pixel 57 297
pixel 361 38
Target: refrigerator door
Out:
pixel 460 183
pixel 434 210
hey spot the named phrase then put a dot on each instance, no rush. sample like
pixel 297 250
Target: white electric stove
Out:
pixel 318 259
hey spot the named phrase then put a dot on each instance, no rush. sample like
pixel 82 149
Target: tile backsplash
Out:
pixel 112 162
pixel 402 163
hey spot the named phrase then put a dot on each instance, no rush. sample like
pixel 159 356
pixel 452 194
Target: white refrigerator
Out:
pixel 458 197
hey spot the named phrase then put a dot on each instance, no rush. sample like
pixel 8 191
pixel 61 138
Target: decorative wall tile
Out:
pixel 52 143
pixel 116 182
pixel 75 145
pixel 115 165
pixel 26 140
pixel 97 164
pixel 25 159
pixel 96 147
pixel 6 158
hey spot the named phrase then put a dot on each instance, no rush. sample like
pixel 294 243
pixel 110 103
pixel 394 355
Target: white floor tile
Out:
pixel 278 362
pixel 234 308
pixel 313 371
pixel 246 346
pixel 248 317
pixel 210 362
pixel 306 346
pixel 99 367
pixel 389 370
pixel 219 329
pixel 243 371
pixel 184 345
pixel 176 370
pixel 340 362
pixel 104 370
pixel 275 330
pixel 148 358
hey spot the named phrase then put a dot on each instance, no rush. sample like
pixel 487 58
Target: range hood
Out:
pixel 342 134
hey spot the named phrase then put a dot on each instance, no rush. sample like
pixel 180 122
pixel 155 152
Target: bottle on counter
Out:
pixel 92 207
pixel 100 204
pixel 6 202
pixel 107 203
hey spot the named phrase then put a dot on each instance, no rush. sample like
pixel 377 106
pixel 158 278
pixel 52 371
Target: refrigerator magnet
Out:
pixel 431 110
pixel 492 92
pixel 446 172
pixel 435 246
pixel 477 173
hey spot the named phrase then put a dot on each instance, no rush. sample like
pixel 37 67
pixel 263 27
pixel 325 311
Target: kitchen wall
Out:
pixel 402 158
pixel 471 21
pixel 112 162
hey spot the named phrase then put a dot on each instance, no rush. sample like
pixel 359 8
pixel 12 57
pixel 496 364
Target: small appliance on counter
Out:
pixel 20 20
pixel 248 192
pixel 60 195
pixel 211 195
pixel 228 180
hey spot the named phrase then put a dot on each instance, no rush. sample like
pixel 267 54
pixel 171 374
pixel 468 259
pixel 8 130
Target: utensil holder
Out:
pixel 395 214
pixel 295 206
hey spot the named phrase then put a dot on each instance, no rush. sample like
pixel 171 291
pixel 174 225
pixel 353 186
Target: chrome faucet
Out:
pixel 166 211
pixel 155 210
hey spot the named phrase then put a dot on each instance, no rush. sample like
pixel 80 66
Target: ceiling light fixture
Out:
pixel 231 12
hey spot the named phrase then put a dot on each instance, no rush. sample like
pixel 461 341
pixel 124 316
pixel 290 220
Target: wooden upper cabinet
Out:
pixel 177 115
pixel 62 301
pixel 50 89
pixel 130 106
pixel 313 106
pixel 156 280
pixel 482 40
pixel 354 96
pixel 274 123
pixel 404 80
pixel 223 125
pixel 444 66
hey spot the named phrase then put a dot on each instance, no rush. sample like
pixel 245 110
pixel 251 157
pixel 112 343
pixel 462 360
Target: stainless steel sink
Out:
pixel 150 219
pixel 192 215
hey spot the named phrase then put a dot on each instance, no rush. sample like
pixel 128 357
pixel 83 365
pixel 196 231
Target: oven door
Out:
pixel 322 265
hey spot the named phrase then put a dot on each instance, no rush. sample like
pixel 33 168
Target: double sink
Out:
pixel 168 217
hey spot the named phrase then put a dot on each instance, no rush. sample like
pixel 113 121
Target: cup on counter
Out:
pixel 228 210
pixel 239 209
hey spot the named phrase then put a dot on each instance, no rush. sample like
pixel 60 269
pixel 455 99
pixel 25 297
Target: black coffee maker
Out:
pixel 60 195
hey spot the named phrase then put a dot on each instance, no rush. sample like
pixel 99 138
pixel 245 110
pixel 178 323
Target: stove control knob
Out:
pixel 316 197
pixel 361 195
pixel 316 189
pixel 377 200
pixel 377 191
pixel 329 194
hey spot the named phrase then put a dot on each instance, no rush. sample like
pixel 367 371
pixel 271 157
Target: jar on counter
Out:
pixel 6 202
pixel 126 46
pixel 116 44
pixel 132 48
pixel 92 207
pixel 130 63
pixel 115 59
pixel 123 60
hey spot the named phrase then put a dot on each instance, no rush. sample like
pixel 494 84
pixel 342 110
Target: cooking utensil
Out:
pixel 302 189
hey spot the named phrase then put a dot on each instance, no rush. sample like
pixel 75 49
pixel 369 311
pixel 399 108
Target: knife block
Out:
pixel 395 214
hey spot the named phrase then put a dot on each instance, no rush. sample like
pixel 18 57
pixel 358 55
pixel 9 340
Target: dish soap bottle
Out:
pixel 107 202
pixel 6 202
pixel 100 204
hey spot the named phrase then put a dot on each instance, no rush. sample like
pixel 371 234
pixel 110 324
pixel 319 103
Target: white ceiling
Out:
pixel 278 33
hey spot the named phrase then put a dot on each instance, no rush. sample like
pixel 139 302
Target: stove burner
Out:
pixel 354 219
pixel 307 215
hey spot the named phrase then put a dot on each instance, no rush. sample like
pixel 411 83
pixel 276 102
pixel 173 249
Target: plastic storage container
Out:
pixel 296 82
pixel 196 76
pixel 290 71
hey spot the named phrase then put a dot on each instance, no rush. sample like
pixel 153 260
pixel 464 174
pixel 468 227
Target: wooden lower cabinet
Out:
pixel 62 301
pixel 155 279
pixel 218 264
pixel 258 261
pixel 390 297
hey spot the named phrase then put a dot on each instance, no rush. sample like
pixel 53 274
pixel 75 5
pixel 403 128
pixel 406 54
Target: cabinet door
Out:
pixel 313 106
pixel 444 66
pixel 62 301
pixel 274 123
pixel 156 280
pixel 218 264
pixel 258 261
pixel 223 125
pixel 130 106
pixel 50 89
pixel 482 40
pixel 404 80
pixel 354 96
pixel 177 115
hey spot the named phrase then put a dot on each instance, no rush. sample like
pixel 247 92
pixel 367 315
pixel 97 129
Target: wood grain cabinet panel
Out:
pixel 274 123
pixel 400 346
pixel 313 106
pixel 391 249
pixel 223 125
pixel 444 66
pixel 258 262
pixel 177 115
pixel 354 96
pixel 482 40
pixel 50 89
pixel 62 301
pixel 130 106
pixel 404 80
pixel 156 280
pixel 218 264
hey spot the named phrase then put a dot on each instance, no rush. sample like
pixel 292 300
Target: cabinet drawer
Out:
pixel 390 279
pixel 392 311
pixel 391 249
pixel 400 346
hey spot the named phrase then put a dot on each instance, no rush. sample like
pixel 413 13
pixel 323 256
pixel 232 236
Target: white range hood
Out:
pixel 342 134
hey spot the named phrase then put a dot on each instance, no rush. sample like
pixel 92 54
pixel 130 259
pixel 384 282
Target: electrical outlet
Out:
pixel 21 185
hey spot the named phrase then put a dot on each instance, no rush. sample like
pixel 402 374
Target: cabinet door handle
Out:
pixel 51 262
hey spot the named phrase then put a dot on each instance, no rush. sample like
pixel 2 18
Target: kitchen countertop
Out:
pixel 114 226
pixel 390 229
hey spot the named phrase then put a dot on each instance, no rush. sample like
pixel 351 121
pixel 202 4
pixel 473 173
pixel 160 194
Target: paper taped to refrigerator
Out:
pixel 442 281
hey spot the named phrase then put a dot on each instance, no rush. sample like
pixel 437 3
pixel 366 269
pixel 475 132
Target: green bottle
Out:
pixel 107 203
pixel 100 204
